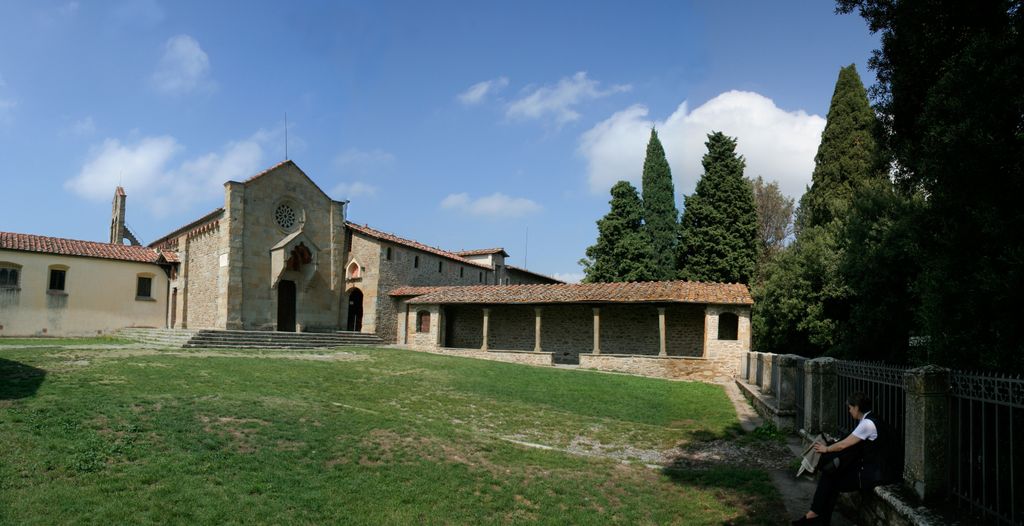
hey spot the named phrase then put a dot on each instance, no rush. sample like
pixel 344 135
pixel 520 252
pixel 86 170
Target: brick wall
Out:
pixel 742 341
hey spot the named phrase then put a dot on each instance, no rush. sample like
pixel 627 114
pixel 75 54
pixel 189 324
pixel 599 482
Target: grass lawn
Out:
pixel 355 436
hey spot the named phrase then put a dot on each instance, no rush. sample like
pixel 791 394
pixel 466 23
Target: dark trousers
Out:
pixel 830 484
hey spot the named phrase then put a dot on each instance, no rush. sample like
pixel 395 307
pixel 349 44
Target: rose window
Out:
pixel 284 216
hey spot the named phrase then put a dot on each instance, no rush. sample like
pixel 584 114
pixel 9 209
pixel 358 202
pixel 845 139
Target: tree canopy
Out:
pixel 622 251
pixel 661 218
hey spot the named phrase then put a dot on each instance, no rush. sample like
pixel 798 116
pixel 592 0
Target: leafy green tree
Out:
pixel 949 93
pixel 661 218
pixel 622 251
pixel 807 286
pixel 718 237
pixel 847 156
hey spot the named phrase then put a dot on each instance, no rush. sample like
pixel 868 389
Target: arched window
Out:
pixel 422 321
pixel 353 270
pixel 10 273
pixel 728 326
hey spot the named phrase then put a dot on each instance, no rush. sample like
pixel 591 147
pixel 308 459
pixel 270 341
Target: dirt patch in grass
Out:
pixel 239 431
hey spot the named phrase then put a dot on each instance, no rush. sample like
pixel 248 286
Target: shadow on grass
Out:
pixel 737 481
pixel 18 380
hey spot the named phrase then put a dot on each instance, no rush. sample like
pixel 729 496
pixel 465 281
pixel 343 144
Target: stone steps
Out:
pixel 217 339
pixel 160 337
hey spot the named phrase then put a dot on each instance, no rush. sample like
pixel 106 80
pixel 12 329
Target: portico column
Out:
pixel 597 330
pixel 487 315
pixel 662 351
pixel 536 320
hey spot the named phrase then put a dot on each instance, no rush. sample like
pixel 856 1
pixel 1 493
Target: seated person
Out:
pixel 861 461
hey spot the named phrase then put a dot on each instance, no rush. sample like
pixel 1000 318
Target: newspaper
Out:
pixel 810 457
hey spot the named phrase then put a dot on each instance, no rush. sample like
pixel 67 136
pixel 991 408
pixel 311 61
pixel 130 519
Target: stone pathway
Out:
pixel 796 492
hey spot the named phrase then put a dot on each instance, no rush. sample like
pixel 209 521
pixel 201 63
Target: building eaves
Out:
pixel 628 292
pixel 194 224
pixel 75 247
pixel 385 236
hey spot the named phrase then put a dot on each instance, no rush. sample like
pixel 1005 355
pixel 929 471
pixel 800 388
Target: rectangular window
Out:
pixel 462 272
pixel 57 277
pixel 440 265
pixel 416 262
pixel 144 287
pixel 481 276
pixel 387 254
pixel 8 277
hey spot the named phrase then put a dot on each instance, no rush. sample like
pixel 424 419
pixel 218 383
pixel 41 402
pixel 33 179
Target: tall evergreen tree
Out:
pixel 848 153
pixel 661 217
pixel 622 252
pixel 718 238
pixel 802 305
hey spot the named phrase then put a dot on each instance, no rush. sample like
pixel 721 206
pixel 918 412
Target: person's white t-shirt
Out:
pixel 865 429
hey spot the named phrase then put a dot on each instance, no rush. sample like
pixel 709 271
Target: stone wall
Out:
pixel 743 335
pixel 321 222
pixel 670 367
pixel 522 357
pixel 379 276
pixel 423 340
pixel 201 269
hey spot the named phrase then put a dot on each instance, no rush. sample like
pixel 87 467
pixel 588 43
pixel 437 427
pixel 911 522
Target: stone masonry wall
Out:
pixel 527 358
pixel 317 305
pixel 671 367
pixel 465 329
pixel 633 329
pixel 380 276
pixel 201 280
pixel 743 336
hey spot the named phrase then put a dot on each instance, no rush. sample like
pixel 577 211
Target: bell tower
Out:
pixel 118 231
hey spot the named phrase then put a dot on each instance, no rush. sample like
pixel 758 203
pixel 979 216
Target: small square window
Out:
pixel 8 277
pixel 144 287
pixel 57 279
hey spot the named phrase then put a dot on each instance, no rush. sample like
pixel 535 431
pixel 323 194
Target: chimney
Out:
pixel 117 229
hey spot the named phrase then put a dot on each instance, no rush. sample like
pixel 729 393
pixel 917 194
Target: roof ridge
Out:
pixel 413 243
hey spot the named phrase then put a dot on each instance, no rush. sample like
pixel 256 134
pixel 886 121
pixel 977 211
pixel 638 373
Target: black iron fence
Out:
pixel 882 382
pixel 986 456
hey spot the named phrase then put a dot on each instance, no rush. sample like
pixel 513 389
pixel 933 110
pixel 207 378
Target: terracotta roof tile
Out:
pixel 74 247
pixel 412 244
pixel 482 252
pixel 646 292
pixel 412 291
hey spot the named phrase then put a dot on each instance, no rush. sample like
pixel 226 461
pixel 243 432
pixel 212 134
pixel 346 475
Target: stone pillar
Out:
pixel 487 315
pixel 820 395
pixel 789 372
pixel 662 349
pixel 597 330
pixel 230 255
pixel 752 371
pixel 766 374
pixel 927 431
pixel 536 322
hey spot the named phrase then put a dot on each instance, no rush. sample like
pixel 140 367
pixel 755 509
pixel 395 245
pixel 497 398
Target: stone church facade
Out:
pixel 279 255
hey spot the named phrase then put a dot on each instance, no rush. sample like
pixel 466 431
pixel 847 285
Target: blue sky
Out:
pixel 458 124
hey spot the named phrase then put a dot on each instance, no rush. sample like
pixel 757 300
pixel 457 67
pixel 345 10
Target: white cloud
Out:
pixel 352 189
pixel 147 170
pixel 184 67
pixel 494 205
pixel 569 277
pixel 778 145
pixel 559 100
pixel 476 93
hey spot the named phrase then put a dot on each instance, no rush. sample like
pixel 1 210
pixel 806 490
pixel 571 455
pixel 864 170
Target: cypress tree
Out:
pixel 661 217
pixel 848 154
pixel 621 252
pixel 718 238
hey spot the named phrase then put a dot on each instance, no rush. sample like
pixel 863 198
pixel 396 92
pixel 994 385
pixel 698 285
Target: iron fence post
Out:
pixel 927 431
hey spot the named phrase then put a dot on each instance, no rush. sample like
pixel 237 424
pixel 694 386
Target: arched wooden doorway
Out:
pixel 355 310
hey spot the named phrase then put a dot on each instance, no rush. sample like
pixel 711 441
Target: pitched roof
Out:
pixel 74 247
pixel 525 271
pixel 482 252
pixel 412 291
pixel 412 244
pixel 194 224
pixel 646 292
